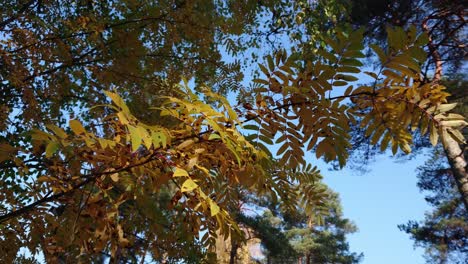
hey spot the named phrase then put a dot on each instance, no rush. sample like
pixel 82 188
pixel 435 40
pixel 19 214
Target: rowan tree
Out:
pixel 444 22
pixel 105 148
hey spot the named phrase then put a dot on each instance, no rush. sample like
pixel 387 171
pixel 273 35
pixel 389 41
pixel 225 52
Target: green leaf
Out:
pixel 251 127
pixel 422 39
pixel 349 69
pixel 339 83
pixel 266 139
pixel 396 37
pixel 392 75
pixel 51 148
pixel 282 149
pixel 345 77
pixel 271 64
pixel 327 55
pixel 214 136
pixel 372 74
pixel 380 52
pixel 264 70
pixel 351 62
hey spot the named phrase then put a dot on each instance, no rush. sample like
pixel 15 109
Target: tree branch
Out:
pixel 88 179
pixel 17 15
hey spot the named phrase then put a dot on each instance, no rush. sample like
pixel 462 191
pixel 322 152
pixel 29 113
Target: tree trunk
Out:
pixel 454 152
pixel 233 253
pixel 115 256
pixel 458 166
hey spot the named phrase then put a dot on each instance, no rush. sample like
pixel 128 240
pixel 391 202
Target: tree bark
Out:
pixel 458 166
pixel 233 253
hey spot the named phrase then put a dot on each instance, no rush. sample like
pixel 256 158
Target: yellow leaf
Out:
pixel 457 135
pixel 405 147
pixel 377 134
pixel 103 143
pixel 43 179
pixel 206 171
pixel 192 162
pixel 118 101
pixel 424 124
pixel 386 139
pixel 445 107
pixel 122 240
pixel 40 135
pixel 147 140
pixel 214 208
pixel 57 130
pixel 135 137
pixel 214 136
pixel 76 127
pixel 159 138
pixel 433 135
pixel 185 144
pixel 123 118
pixel 188 185
pixel 114 177
pixel 453 116
pixel 178 172
pixel 454 123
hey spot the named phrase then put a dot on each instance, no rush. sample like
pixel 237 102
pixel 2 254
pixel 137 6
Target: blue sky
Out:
pixel 377 202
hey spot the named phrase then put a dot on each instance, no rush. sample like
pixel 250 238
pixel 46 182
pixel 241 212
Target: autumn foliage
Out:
pixel 105 148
